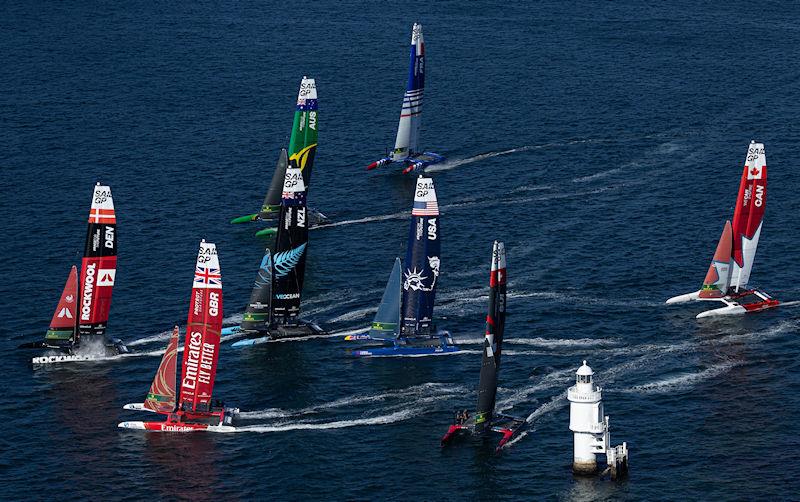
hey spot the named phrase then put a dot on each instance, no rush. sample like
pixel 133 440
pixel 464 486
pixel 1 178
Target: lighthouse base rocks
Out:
pixel 590 429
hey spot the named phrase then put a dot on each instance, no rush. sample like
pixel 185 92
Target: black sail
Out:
pixel 492 345
pixel 257 313
pixel 272 202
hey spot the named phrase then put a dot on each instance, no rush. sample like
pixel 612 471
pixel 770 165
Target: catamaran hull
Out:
pixel 688 297
pixel 732 306
pixel 304 329
pixel 411 164
pixel 405 351
pixel 118 348
pixel 174 427
pixel 508 428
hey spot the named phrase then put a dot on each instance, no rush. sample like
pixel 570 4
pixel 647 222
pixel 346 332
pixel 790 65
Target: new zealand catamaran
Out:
pixel 729 273
pixel 78 327
pixel 485 419
pixel 274 308
pixel 405 315
pixel 405 146
pixel 304 134
pixel 193 410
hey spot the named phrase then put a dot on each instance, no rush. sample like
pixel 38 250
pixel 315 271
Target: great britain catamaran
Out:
pixel 273 311
pixel 486 420
pixel 78 328
pixel 405 315
pixel 729 273
pixel 304 134
pixel 192 410
pixel 406 151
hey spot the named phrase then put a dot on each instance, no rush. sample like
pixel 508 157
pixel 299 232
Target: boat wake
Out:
pixel 397 416
pixel 164 335
pixel 680 382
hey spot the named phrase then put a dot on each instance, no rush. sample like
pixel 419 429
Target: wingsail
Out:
pixel 304 129
pixel 386 324
pixel 718 277
pixel 161 397
pixel 62 326
pixel 99 267
pixel 272 201
pixel 422 263
pixel 257 313
pixel 201 347
pixel 749 214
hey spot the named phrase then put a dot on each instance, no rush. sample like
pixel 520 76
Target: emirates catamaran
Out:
pixel 485 419
pixel 78 328
pixel 405 150
pixel 273 311
pixel 193 410
pixel 304 134
pixel 405 315
pixel 729 273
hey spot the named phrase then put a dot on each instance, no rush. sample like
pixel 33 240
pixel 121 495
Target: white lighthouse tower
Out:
pixel 590 428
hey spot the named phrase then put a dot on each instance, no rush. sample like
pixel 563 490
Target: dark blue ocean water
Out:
pixel 603 142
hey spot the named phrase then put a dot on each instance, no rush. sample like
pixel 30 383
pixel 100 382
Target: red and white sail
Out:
pixel 748 215
pixel 718 277
pixel 99 266
pixel 161 397
pixel 62 325
pixel 201 347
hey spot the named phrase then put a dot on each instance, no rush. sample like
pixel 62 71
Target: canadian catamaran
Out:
pixel 405 315
pixel 485 419
pixel 729 273
pixel 78 327
pixel 406 150
pixel 192 410
pixel 304 134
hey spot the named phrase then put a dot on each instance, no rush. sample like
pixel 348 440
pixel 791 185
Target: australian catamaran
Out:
pixel 404 317
pixel 78 327
pixel 729 273
pixel 485 419
pixel 192 410
pixel 405 146
pixel 274 308
pixel 304 134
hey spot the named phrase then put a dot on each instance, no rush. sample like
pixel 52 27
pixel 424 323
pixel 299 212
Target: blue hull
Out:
pixel 230 330
pixel 250 342
pixel 405 351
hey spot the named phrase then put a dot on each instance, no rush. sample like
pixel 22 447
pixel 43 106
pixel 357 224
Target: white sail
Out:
pixel 408 129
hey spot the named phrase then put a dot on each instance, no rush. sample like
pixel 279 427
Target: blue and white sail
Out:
pixel 422 263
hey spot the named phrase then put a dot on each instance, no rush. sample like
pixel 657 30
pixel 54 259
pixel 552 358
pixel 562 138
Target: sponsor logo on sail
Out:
pixel 88 291
pixel 287 296
pixel 64 312
pixel 106 276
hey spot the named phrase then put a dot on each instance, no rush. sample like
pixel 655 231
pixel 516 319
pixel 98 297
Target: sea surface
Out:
pixel 602 142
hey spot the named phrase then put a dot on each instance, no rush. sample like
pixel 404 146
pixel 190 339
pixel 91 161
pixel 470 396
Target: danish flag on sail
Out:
pixel 201 347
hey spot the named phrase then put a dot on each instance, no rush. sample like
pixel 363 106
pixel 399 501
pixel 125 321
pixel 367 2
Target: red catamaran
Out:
pixel 193 409
pixel 729 273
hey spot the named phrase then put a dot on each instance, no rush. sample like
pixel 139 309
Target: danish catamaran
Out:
pixel 485 419
pixel 729 273
pixel 192 410
pixel 304 134
pixel 78 327
pixel 405 146
pixel 274 308
pixel 404 317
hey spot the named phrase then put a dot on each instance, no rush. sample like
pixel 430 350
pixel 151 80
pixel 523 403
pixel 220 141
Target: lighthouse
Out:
pixel 590 428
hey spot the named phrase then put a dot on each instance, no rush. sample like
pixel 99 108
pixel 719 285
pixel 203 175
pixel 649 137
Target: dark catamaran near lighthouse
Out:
pixel 727 278
pixel 193 409
pixel 405 315
pixel 304 135
pixel 273 311
pixel 486 420
pixel 78 328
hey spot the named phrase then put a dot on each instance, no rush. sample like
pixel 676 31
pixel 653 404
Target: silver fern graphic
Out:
pixel 264 271
pixel 286 261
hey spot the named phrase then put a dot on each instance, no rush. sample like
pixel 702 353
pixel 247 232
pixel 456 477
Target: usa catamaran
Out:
pixel 406 150
pixel 78 328
pixel 304 134
pixel 274 308
pixel 405 315
pixel 485 419
pixel 193 410
pixel 729 273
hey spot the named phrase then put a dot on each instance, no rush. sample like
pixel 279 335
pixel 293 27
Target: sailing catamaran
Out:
pixel 485 419
pixel 304 134
pixel 78 327
pixel 729 273
pixel 404 317
pixel 273 311
pixel 405 146
pixel 193 410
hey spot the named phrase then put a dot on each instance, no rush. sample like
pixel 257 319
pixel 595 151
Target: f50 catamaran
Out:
pixel 274 308
pixel 485 419
pixel 192 410
pixel 729 273
pixel 405 150
pixel 304 134
pixel 405 316
pixel 78 327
